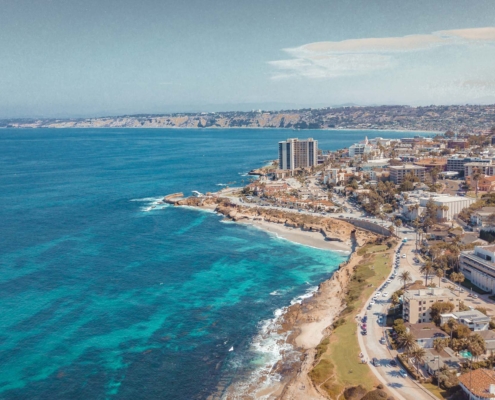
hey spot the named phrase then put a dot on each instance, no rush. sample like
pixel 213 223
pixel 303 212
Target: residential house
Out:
pixel 425 333
pixel 478 384
pixel 473 319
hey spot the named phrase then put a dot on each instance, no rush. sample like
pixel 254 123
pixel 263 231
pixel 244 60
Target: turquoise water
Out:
pixel 104 296
pixel 465 354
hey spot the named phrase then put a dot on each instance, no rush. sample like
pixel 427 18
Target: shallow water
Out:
pixel 105 293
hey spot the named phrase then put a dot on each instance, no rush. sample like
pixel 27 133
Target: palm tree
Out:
pixel 418 355
pixel 439 344
pixel 398 224
pixel 406 342
pixel 440 273
pixel 426 269
pixel 457 277
pixel 405 277
pixel 451 323
pixel 476 177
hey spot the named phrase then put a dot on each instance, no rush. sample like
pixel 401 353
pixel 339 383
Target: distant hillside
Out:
pixel 474 118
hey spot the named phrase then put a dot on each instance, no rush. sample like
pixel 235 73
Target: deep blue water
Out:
pixel 103 297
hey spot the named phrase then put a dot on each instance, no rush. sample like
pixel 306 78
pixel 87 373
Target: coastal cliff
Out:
pixel 331 229
pixel 306 324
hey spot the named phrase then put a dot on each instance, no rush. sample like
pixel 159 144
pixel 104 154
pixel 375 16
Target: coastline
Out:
pixel 298 328
pixel 296 235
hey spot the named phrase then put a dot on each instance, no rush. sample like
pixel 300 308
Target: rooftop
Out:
pixel 478 382
pixel 425 330
pixel 406 166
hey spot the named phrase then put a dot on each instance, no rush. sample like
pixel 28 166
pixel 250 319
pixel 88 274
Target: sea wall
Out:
pixel 369 226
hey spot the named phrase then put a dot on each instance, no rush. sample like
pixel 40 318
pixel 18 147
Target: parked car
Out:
pixel 393 363
pixel 403 373
pixel 375 361
pixel 382 340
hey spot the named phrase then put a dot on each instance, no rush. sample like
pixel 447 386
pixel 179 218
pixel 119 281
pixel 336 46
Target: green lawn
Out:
pixel 468 284
pixel 435 390
pixel 340 362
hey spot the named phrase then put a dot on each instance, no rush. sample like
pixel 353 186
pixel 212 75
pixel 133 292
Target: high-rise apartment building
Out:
pixel 295 153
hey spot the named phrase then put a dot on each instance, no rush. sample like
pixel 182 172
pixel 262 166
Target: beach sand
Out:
pixel 296 235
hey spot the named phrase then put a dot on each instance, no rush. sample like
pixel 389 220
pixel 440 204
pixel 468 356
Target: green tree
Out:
pixel 439 308
pixel 406 342
pixel 426 269
pixel 405 277
pixel 418 354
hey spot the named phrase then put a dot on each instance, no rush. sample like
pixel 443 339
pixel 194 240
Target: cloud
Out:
pixel 361 56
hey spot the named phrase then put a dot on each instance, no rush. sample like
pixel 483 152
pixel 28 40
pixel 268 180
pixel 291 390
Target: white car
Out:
pixel 403 256
pixel 385 294
pixel 389 280
pixel 372 302
pixel 403 373
pixel 378 293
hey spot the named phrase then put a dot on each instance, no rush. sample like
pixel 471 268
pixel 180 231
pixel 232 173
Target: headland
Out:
pixel 303 324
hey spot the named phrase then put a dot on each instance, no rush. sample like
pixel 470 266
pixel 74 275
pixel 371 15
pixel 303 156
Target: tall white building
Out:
pixel 295 153
pixel 478 266
pixel 361 148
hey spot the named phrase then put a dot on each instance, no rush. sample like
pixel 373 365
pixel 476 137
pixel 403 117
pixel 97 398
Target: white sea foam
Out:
pixel 153 203
pixel 269 348
pixel 221 184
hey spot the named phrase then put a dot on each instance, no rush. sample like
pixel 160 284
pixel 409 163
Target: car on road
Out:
pixel 403 373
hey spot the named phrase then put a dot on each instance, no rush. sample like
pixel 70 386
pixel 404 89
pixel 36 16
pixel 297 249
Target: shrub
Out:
pixel 339 322
pixel 354 392
pixel 377 394
pixel 322 348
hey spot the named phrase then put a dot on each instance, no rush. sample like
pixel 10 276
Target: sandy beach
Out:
pixel 296 235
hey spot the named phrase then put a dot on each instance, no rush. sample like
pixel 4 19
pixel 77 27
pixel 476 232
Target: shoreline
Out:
pixel 295 235
pixel 224 128
pixel 299 327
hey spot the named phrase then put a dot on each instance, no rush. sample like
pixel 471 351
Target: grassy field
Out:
pixel 339 365
pixel 468 284
pixel 435 390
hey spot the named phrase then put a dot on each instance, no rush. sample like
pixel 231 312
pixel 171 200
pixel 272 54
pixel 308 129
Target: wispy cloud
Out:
pixel 361 56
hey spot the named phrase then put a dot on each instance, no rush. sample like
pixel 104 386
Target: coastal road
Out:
pixel 403 388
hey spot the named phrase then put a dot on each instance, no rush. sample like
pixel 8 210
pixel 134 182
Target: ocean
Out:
pixel 105 294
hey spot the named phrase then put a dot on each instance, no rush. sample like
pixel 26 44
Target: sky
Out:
pixel 68 58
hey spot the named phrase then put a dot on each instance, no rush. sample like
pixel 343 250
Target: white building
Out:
pixel 361 148
pixel 473 319
pixel 478 266
pixel 334 176
pixel 482 167
pixel 416 204
pixel 295 153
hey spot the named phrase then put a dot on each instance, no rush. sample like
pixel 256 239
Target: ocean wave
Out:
pixel 153 203
pixel 221 184
pixel 269 347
